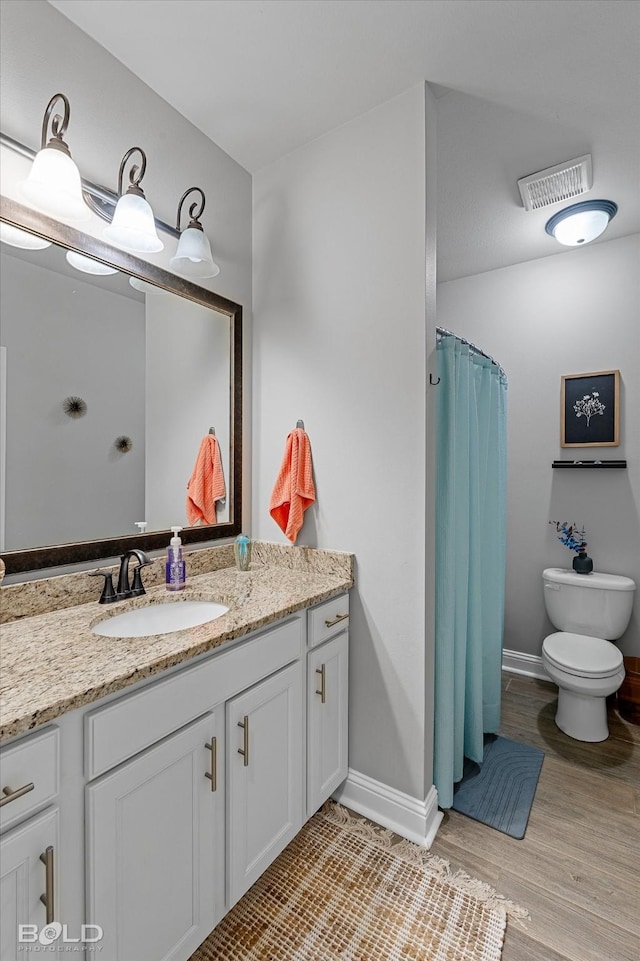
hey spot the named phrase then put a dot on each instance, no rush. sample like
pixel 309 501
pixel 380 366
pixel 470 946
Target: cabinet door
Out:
pixel 265 779
pixel 23 881
pixel 327 719
pixel 155 847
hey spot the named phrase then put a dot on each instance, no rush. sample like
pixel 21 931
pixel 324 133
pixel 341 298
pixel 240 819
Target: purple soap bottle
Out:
pixel 176 568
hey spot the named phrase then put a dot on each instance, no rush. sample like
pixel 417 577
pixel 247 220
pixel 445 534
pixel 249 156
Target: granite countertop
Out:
pixel 52 662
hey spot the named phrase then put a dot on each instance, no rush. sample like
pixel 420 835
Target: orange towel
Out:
pixel 293 491
pixel 206 484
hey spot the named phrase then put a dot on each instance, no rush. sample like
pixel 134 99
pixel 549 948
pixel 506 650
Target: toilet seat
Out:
pixel 581 655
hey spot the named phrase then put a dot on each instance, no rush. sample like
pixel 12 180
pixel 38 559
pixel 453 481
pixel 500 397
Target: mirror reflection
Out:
pixel 113 386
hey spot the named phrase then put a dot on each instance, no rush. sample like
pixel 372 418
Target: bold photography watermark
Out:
pixel 56 937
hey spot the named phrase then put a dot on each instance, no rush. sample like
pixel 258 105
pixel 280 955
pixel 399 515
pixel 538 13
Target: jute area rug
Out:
pixel 343 891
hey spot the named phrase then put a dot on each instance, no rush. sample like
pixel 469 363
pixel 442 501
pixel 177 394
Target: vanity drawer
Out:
pixel 30 768
pixel 133 722
pixel 328 619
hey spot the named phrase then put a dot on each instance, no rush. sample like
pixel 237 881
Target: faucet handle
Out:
pixel 108 595
pixel 137 587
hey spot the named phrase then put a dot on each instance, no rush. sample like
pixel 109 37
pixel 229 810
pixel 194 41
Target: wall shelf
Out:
pixel 599 464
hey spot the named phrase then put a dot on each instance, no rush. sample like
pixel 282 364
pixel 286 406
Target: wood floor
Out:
pixel 577 870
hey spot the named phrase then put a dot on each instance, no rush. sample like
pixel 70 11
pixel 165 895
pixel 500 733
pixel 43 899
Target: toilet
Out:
pixel 590 610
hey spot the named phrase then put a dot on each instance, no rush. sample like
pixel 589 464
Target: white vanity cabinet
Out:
pixel 166 792
pixel 155 846
pixel 265 779
pixel 327 700
pixel 30 843
pixel 172 798
pixel 29 870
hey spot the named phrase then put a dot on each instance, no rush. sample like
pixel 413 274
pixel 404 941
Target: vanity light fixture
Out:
pixel 53 184
pixel 193 256
pixel 581 223
pixel 87 265
pixel 21 238
pixel 133 226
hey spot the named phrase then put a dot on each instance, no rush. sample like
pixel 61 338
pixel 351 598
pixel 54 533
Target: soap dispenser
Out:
pixel 176 568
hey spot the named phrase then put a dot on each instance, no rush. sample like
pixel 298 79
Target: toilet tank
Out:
pixel 598 605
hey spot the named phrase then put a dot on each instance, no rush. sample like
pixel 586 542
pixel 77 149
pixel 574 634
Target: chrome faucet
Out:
pixel 124 588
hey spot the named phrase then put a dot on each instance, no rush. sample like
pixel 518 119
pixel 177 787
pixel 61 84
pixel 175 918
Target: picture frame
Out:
pixel 590 409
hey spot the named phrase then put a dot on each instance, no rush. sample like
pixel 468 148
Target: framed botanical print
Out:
pixel 590 409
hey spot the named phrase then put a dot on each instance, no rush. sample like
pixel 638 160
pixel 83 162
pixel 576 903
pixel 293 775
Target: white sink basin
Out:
pixel 161 618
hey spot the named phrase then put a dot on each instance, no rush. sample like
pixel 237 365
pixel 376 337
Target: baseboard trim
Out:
pixel 410 817
pixel 518 663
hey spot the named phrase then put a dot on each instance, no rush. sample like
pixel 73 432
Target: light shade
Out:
pixel 193 256
pixel 133 226
pixel 581 223
pixel 145 287
pixel 54 186
pixel 87 265
pixel 20 238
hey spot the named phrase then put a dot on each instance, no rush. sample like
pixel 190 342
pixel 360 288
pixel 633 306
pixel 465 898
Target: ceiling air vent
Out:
pixel 555 184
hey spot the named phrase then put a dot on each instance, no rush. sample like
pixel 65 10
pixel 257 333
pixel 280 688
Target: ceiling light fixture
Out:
pixel 581 223
pixel 87 265
pixel 193 256
pixel 21 238
pixel 53 184
pixel 133 226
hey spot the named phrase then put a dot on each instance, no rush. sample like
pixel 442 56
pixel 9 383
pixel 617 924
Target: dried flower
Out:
pixel 570 535
pixel 589 406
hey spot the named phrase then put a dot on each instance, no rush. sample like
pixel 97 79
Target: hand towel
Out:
pixel 206 484
pixel 293 491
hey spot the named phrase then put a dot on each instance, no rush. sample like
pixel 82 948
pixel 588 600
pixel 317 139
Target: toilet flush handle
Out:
pixel 552 587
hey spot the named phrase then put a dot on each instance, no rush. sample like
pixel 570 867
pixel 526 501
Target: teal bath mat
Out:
pixel 500 791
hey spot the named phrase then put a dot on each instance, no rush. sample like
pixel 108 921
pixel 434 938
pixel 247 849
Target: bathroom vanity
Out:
pixel 166 773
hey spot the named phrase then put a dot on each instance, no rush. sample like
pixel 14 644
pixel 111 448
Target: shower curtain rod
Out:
pixel 443 332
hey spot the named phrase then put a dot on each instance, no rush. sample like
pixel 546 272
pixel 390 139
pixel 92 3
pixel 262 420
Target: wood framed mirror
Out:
pixel 159 366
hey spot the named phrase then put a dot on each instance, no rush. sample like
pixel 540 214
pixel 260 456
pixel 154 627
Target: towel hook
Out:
pixel 434 383
pixel 212 430
pixel 300 424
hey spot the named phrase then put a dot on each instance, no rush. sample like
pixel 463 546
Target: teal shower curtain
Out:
pixel 470 556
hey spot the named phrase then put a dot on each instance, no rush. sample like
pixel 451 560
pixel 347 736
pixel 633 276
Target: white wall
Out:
pixel 111 110
pixel 339 340
pixel 566 314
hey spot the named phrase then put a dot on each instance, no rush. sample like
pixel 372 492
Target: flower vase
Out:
pixel 582 563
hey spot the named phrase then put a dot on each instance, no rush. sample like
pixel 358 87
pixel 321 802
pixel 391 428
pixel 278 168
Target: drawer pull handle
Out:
pixel 336 620
pixel 244 750
pixel 10 795
pixel 323 677
pixel 47 897
pixel 212 774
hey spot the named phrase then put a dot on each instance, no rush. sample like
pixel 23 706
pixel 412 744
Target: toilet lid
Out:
pixel 582 655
